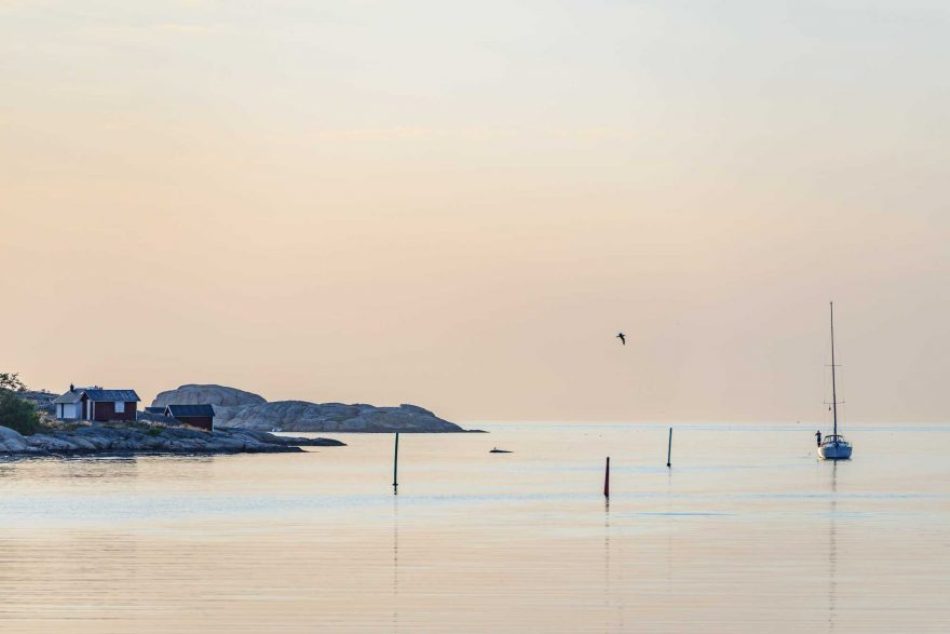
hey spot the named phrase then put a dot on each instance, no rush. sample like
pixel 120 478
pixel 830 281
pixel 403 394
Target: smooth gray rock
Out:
pixel 239 409
pixel 194 394
pixel 12 442
pixel 332 417
pixel 11 435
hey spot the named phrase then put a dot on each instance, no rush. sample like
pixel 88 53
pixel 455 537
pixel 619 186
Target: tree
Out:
pixel 15 412
pixel 11 381
pixel 18 414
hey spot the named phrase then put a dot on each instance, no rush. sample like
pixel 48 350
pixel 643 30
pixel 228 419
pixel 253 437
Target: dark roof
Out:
pixel 98 394
pixel 190 411
pixel 151 417
pixel 113 395
pixel 155 410
pixel 73 396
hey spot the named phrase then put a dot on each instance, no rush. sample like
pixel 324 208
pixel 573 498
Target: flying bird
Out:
pixel 622 337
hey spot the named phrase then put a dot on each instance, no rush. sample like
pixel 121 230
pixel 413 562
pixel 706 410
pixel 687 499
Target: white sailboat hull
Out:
pixel 835 451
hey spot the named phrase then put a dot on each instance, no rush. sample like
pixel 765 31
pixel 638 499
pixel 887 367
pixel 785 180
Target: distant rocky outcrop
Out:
pixel 135 440
pixel 332 417
pixel 194 394
pixel 41 399
pixel 244 410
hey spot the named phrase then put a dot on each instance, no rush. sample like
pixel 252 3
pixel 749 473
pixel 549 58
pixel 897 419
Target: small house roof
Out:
pixel 189 411
pixel 113 395
pixel 73 396
pixel 98 394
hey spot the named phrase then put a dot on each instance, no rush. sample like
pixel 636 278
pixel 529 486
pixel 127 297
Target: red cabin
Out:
pixel 97 404
pixel 201 416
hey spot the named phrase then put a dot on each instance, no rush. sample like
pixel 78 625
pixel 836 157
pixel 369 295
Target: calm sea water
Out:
pixel 746 533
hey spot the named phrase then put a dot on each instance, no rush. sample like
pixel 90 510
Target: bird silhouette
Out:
pixel 622 337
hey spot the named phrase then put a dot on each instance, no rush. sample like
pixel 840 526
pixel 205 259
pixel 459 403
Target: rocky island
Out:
pixel 239 409
pixel 241 423
pixel 144 440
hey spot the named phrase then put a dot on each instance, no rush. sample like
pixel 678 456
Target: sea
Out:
pixel 745 532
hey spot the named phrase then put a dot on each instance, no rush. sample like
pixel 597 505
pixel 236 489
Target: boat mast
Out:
pixel 834 394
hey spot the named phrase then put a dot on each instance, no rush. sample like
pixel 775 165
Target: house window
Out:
pixel 120 407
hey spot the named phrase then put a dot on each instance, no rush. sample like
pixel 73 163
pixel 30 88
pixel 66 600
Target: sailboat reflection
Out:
pixel 833 549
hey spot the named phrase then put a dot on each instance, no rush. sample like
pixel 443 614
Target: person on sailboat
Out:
pixel 818 437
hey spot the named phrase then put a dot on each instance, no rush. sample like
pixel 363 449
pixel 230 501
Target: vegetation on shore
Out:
pixel 16 413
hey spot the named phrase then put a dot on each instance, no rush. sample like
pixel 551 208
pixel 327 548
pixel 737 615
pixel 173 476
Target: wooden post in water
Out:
pixel 669 448
pixel 396 466
pixel 607 479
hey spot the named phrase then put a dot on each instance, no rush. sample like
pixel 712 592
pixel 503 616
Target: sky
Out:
pixel 459 205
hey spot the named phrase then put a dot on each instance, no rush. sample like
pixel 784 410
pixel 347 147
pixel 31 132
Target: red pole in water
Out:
pixel 607 479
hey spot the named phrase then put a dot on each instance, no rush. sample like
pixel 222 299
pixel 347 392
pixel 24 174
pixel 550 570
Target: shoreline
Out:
pixel 125 441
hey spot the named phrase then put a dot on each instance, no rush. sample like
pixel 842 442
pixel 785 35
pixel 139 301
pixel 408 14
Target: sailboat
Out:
pixel 834 447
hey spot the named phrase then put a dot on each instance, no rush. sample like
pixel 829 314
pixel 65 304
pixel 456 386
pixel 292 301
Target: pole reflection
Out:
pixel 395 621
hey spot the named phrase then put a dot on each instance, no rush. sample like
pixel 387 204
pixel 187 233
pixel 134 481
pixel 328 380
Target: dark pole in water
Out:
pixel 396 466
pixel 669 448
pixel 607 479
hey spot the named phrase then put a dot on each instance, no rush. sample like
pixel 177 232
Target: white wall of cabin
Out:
pixel 70 411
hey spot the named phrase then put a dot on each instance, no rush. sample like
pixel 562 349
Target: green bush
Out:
pixel 18 414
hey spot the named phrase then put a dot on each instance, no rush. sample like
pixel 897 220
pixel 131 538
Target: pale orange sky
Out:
pixel 459 204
